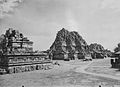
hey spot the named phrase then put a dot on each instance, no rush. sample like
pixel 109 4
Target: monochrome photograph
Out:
pixel 59 43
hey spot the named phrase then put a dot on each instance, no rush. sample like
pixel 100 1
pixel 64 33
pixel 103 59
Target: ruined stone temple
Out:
pixel 68 44
pixel 97 51
pixel 17 55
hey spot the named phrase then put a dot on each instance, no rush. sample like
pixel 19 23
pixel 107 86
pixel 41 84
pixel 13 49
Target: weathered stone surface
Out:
pixel 96 47
pixel 14 42
pixel 70 44
pixel 74 46
pixel 97 50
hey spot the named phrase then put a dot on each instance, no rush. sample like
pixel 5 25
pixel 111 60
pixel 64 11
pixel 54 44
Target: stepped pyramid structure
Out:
pixel 69 45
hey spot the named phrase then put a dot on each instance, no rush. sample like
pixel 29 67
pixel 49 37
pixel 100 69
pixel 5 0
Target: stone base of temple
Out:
pixel 27 68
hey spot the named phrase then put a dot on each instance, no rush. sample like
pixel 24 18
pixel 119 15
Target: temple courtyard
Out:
pixel 75 73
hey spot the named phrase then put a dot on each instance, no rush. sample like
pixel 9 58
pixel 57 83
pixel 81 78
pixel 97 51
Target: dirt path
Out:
pixel 82 70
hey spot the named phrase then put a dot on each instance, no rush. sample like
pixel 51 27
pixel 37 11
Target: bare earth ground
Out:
pixel 104 68
pixel 68 74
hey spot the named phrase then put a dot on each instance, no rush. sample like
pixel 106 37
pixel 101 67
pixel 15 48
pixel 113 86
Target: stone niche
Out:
pixel 60 56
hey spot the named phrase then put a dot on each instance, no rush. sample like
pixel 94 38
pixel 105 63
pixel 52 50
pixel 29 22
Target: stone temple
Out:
pixel 17 55
pixel 68 45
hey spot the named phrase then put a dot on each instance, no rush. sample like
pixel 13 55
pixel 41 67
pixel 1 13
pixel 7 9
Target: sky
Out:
pixel 97 21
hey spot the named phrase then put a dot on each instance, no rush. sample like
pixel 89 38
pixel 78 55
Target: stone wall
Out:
pixel 26 68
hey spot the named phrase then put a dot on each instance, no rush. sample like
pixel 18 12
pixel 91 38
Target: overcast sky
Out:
pixel 97 21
